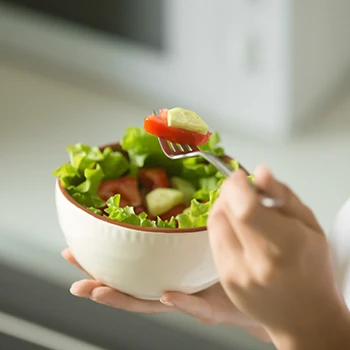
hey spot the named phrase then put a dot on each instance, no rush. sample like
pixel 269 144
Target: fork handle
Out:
pixel 218 163
pixel 225 170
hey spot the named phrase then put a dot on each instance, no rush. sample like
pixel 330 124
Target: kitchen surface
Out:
pixel 46 106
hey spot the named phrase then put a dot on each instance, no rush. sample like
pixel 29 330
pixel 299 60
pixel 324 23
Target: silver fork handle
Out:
pixel 217 162
pixel 225 170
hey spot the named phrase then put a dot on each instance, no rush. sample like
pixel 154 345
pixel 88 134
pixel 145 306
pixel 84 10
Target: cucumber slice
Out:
pixel 187 189
pixel 160 200
pixel 187 119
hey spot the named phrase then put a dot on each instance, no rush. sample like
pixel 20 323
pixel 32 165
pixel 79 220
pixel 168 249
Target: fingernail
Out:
pixel 75 290
pixel 166 302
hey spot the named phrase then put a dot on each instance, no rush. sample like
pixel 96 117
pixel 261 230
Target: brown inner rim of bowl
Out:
pixel 117 147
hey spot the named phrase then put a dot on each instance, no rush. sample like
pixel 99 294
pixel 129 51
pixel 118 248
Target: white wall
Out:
pixel 253 67
pixel 226 59
pixel 321 58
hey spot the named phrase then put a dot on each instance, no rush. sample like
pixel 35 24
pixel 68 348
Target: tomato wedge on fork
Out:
pixel 158 126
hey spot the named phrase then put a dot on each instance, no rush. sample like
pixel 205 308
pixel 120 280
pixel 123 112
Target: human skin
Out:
pixel 285 280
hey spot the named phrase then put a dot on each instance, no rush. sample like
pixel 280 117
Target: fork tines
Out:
pixel 174 148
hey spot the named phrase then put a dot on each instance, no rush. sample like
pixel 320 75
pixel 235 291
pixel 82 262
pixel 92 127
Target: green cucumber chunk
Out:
pixel 161 200
pixel 188 120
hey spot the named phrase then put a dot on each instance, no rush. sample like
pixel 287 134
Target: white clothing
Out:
pixel 339 239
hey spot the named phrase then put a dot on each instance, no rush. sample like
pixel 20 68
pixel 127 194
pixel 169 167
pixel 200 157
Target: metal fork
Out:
pixel 180 151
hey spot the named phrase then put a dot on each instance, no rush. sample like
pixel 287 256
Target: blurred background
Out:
pixel 271 76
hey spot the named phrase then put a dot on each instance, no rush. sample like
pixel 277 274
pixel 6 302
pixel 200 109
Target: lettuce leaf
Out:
pixel 82 184
pixel 68 175
pixel 196 168
pixel 83 157
pixel 87 167
pixel 212 145
pixel 144 151
pixel 207 184
pixel 113 164
pixel 234 164
pixel 166 223
pixel 86 192
pixel 96 211
pixel 140 145
pixel 128 216
pixel 198 213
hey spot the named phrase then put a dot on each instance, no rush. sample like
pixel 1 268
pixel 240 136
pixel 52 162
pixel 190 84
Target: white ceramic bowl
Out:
pixel 140 261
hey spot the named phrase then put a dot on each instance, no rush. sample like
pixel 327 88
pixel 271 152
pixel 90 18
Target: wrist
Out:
pixel 326 331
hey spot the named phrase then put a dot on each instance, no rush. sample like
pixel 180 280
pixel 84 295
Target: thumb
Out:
pixel 292 205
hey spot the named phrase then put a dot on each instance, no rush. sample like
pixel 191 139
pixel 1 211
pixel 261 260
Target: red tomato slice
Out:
pixel 158 126
pixel 140 209
pixel 153 178
pixel 173 212
pixel 127 187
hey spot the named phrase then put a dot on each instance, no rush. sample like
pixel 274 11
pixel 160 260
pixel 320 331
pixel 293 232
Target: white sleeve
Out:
pixel 339 239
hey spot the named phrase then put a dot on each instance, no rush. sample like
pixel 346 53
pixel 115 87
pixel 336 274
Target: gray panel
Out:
pixel 136 20
pixel 10 343
pixel 38 301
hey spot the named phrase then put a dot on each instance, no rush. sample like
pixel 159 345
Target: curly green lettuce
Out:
pixel 197 214
pixel 128 216
pixel 89 166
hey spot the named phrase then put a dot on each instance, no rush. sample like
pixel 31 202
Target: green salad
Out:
pixel 139 185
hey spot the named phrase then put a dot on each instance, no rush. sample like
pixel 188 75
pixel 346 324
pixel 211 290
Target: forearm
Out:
pixel 327 334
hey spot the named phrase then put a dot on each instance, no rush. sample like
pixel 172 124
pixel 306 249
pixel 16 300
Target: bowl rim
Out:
pixel 116 147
